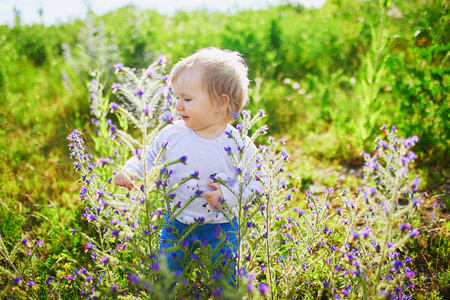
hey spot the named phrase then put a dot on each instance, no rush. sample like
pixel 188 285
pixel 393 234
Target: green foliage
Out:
pixel 358 65
pixel 10 226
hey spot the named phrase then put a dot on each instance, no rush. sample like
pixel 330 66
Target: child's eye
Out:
pixel 187 100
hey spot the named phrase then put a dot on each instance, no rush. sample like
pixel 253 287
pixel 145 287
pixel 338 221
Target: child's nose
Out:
pixel 179 105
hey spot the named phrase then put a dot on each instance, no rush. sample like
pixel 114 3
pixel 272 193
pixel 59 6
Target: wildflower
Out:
pixel 31 283
pixel 89 279
pixel 414 232
pixel 88 246
pixel 185 243
pixel 261 112
pixel 162 60
pixel 415 182
pixel 16 280
pixel 24 241
pixel 263 129
pixel 118 66
pixel 146 110
pixel 49 279
pixel 409 274
pixel 246 112
pixel 149 72
pixel 167 117
pixel 115 86
pixel 405 227
pixel 365 232
pixel 235 114
pixel 263 288
pixel 183 159
pixel 104 260
pixel 38 243
pixel 239 127
pixel 155 267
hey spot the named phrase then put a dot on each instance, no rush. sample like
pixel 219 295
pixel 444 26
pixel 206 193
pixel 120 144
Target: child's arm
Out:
pixel 212 197
pixel 134 168
pixel 122 180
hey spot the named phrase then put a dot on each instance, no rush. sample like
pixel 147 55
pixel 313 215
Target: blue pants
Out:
pixel 173 231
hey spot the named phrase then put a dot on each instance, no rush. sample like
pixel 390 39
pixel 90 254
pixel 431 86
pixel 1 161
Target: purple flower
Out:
pixel 38 243
pixel 149 72
pixel 49 279
pixel 89 279
pixel 112 128
pixel 239 127
pixel 155 267
pixel 118 66
pixel 24 241
pixel 263 129
pixel 104 260
pixel 365 232
pixel 415 182
pixel 414 232
pixel 235 114
pixel 31 283
pixel 146 110
pixel 405 227
pixel 389 244
pixel 88 246
pixel 115 86
pixel 185 243
pixel 183 159
pixel 133 278
pixel 246 112
pixel 263 288
pixel 140 93
pixel 409 274
pixel 16 280
pixel 261 112
pixel 162 60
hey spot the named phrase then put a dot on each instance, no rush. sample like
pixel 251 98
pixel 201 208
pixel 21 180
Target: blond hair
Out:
pixel 224 72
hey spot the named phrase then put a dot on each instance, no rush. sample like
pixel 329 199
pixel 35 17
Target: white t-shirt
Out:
pixel 209 158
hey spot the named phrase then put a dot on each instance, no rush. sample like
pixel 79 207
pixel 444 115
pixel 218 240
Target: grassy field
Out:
pixel 327 78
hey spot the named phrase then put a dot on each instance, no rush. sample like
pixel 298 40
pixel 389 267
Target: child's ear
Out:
pixel 224 101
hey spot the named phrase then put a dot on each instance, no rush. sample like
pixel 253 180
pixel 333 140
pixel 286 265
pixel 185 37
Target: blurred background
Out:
pixel 328 73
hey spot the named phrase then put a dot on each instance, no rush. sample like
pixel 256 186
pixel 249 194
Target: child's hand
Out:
pixel 212 197
pixel 121 180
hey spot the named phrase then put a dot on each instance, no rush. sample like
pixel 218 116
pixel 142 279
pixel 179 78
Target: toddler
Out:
pixel 209 86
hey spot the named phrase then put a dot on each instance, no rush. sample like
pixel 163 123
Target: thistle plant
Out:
pixel 387 205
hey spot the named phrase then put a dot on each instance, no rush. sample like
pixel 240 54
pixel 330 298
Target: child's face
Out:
pixel 195 106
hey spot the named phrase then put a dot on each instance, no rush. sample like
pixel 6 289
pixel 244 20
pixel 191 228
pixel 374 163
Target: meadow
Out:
pixel 357 146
